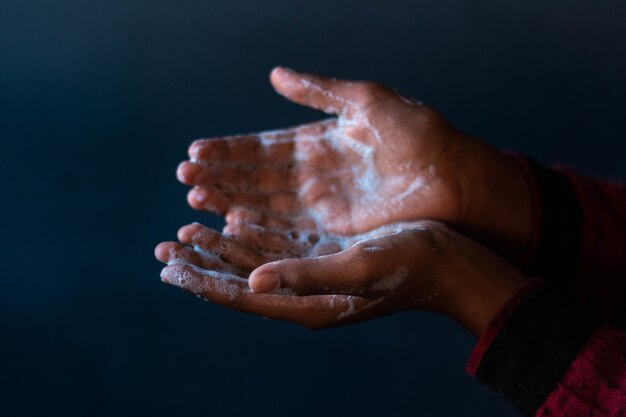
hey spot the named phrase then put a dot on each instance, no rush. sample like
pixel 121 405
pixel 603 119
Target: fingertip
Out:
pixel 162 251
pixel 275 75
pixel 195 148
pixel 274 71
pixel 231 218
pixel 262 282
pixel 281 79
pixel 165 276
pixel 201 198
pixel 196 198
pixel 185 233
pixel 208 150
pixel 205 198
pixel 279 71
pixel 229 230
pixel 188 172
pixel 240 215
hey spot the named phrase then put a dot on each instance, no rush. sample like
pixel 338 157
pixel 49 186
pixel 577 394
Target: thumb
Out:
pixel 329 95
pixel 308 276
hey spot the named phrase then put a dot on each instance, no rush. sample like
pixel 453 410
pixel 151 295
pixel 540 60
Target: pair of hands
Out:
pixel 322 218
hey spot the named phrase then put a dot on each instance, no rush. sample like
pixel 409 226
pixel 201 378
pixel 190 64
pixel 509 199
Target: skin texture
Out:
pixel 304 278
pixel 324 220
pixel 382 159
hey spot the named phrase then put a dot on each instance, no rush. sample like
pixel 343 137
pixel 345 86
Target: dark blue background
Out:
pixel 98 102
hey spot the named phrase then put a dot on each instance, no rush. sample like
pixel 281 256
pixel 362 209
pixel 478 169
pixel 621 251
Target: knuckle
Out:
pixel 370 91
pixel 431 117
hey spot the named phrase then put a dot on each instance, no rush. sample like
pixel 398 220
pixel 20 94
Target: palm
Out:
pixel 364 171
pixel 216 267
pixel 382 160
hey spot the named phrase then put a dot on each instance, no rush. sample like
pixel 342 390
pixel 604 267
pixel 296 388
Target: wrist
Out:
pixel 499 208
pixel 476 286
pixel 481 302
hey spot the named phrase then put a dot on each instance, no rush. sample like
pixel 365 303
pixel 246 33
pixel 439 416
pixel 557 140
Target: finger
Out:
pixel 338 273
pixel 175 253
pixel 191 173
pixel 286 243
pixel 275 147
pixel 251 179
pixel 315 311
pixel 329 95
pixel 163 251
pixel 317 189
pixel 281 203
pixel 208 198
pixel 241 215
pixel 214 285
pixel 233 292
pixel 226 248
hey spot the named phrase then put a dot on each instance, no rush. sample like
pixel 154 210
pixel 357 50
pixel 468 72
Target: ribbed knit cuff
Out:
pixel 529 345
pixel 560 222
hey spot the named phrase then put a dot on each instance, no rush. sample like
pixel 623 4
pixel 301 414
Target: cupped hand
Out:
pixel 217 266
pixel 383 159
pixel 323 280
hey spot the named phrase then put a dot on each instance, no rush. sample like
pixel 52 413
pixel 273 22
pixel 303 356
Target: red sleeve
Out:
pixel 579 237
pixel 595 382
pixel 547 359
pixel 600 274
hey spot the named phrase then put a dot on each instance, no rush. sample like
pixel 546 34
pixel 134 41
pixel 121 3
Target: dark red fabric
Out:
pixel 600 279
pixel 494 327
pixel 536 207
pixel 595 382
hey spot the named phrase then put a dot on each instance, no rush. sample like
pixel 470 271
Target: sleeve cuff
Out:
pixel 535 206
pixel 497 322
pixel 558 221
pixel 529 345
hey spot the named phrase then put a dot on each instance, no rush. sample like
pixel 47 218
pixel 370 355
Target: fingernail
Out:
pixel 285 70
pixel 200 196
pixel 265 282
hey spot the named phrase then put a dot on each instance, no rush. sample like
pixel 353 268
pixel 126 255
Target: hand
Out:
pixel 337 280
pixel 384 159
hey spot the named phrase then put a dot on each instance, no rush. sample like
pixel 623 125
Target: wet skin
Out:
pixel 332 280
pixel 323 220
pixel 382 159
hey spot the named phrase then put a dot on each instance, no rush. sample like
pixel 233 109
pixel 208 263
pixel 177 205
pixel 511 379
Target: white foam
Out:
pixel 392 281
pixel 341 101
pixel 203 280
pixel 373 303
pixel 378 195
pixel 284 291
pixel 351 307
pixel 416 183
pixel 431 170
pixel 372 249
